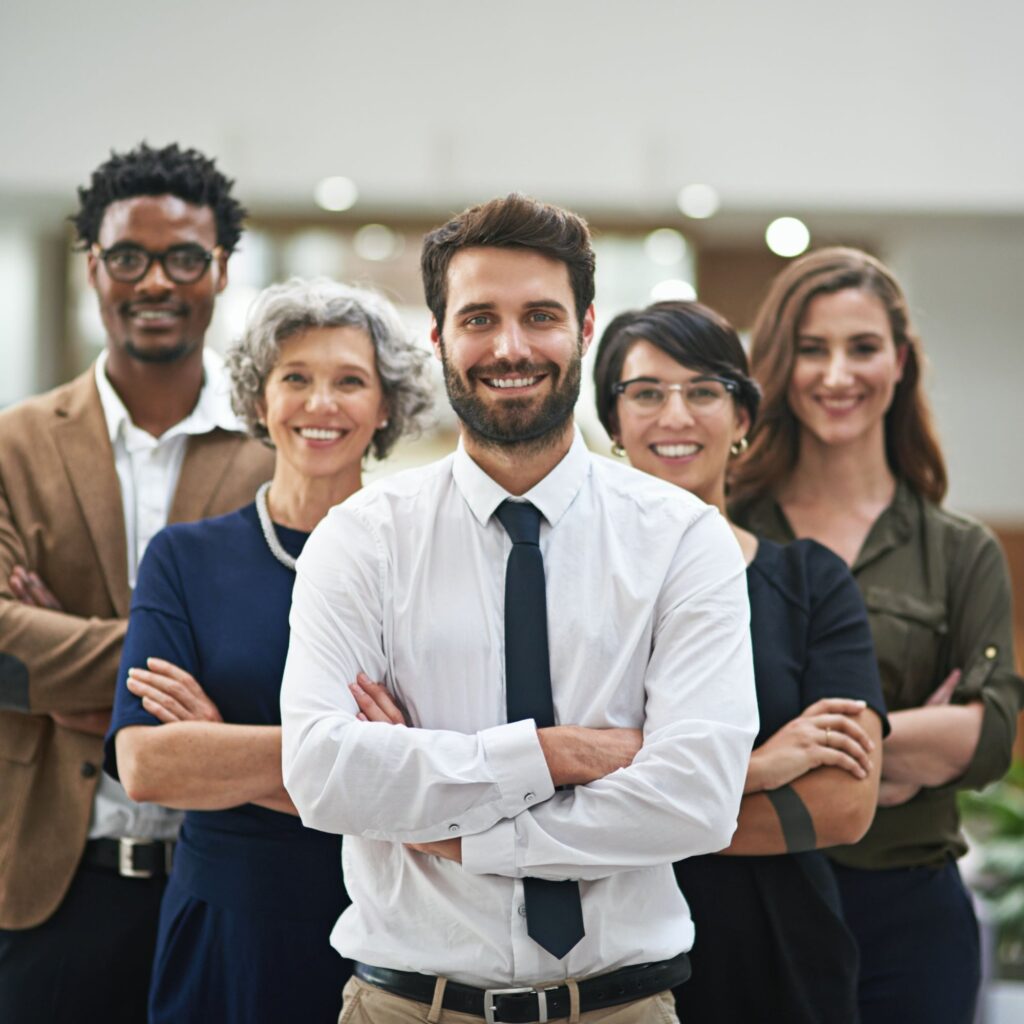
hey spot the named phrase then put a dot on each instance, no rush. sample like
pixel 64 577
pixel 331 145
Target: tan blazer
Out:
pixel 61 515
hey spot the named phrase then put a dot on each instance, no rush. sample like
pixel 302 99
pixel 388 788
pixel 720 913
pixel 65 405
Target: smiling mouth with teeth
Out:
pixel 502 383
pixel 839 404
pixel 675 451
pixel 319 433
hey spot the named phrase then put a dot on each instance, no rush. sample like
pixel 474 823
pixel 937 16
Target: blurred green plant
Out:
pixel 995 820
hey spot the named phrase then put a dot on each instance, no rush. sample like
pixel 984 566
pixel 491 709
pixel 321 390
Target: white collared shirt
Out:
pixel 647 628
pixel 148 469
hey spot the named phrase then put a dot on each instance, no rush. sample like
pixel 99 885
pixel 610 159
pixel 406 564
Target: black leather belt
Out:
pixel 529 1005
pixel 131 858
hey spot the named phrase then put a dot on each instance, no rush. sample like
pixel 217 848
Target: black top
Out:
pixel 770 943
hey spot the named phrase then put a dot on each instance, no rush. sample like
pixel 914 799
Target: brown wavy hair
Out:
pixel 911 445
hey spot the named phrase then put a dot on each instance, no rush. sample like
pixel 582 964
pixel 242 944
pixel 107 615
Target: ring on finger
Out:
pixel 828 737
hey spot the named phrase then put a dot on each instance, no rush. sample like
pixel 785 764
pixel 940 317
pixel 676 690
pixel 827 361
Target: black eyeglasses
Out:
pixel 183 264
pixel 701 394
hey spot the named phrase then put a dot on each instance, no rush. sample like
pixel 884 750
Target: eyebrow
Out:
pixel 487 307
pixel 302 364
pixel 806 336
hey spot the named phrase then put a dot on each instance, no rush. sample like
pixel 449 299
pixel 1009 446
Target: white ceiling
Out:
pixel 880 105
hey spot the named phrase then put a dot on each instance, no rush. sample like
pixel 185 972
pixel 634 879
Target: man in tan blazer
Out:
pixel 88 473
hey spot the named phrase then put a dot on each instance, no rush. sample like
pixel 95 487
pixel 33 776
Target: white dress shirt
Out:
pixel 148 469
pixel 647 628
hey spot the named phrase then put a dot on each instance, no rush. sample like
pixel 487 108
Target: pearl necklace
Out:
pixel 269 533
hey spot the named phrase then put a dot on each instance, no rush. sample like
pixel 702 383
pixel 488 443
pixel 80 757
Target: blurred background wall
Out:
pixel 890 125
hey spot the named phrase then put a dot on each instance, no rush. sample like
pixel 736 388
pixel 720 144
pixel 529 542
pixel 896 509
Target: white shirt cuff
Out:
pixel 513 753
pixel 492 852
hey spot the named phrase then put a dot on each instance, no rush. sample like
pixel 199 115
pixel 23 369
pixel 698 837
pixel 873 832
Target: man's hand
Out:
pixel 95 723
pixel 170 694
pixel 448 849
pixel 576 755
pixel 826 733
pixel 29 589
pixel 375 703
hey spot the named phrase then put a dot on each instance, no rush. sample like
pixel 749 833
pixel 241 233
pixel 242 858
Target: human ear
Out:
pixel 435 337
pixel 902 355
pixel 587 328
pixel 221 264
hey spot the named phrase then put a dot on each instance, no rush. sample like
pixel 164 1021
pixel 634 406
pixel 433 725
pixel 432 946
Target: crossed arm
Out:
pixel 834 774
pixel 496 788
pixel 962 736
pixel 194 760
pixel 36 617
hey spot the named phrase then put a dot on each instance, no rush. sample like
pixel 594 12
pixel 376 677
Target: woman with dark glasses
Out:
pixel 674 393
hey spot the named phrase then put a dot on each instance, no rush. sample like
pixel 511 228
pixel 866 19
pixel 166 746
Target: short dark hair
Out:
pixel 145 171
pixel 694 335
pixel 513 222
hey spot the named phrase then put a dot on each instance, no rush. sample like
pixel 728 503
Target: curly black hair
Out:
pixel 145 171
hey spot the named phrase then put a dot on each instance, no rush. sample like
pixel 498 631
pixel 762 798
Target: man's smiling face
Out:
pixel 156 319
pixel 511 345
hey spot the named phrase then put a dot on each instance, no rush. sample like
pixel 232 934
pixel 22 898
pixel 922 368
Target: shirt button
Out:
pixel 88 769
pixel 528 797
pixel 991 652
pixel 521 910
pixel 453 829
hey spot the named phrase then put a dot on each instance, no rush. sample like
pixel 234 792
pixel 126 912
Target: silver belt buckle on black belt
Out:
pixel 126 857
pixel 490 1005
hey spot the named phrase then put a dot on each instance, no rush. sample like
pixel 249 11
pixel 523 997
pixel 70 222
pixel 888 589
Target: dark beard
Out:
pixel 164 355
pixel 517 424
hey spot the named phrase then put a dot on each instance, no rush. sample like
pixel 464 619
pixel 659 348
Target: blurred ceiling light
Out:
pixel 698 201
pixel 673 290
pixel 665 247
pixel 336 194
pixel 787 236
pixel 378 242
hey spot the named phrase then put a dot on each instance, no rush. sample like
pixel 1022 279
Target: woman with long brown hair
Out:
pixel 845 453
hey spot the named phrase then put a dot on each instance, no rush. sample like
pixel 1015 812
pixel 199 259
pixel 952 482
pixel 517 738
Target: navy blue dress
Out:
pixel 770 941
pixel 253 895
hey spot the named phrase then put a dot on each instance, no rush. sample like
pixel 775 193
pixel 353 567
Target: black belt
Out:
pixel 527 1005
pixel 131 858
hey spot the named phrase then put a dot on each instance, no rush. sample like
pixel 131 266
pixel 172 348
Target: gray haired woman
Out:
pixel 324 373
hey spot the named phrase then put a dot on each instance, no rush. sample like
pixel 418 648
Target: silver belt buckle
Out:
pixel 125 860
pixel 490 993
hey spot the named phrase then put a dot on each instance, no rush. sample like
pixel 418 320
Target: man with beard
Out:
pixel 568 640
pixel 90 472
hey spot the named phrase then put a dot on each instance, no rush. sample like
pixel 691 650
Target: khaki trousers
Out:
pixel 367 1004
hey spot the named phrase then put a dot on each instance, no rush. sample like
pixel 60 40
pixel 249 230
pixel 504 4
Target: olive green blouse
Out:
pixel 937 592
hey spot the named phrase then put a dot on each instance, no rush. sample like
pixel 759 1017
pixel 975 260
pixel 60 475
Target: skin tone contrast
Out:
pixel 825 753
pixel 846 371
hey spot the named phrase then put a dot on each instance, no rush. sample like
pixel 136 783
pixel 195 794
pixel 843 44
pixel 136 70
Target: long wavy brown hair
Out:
pixel 911 445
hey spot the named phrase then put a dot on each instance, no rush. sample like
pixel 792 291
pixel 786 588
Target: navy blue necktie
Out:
pixel 554 914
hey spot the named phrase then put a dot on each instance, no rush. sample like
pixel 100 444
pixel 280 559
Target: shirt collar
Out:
pixel 552 496
pixel 212 410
